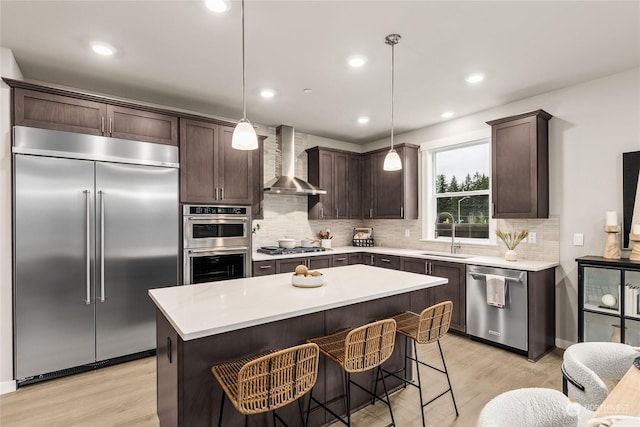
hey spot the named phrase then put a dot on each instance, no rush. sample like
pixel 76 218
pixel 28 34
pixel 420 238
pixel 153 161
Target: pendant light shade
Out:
pixel 244 135
pixel 392 160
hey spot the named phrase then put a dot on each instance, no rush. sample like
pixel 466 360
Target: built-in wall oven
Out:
pixel 216 243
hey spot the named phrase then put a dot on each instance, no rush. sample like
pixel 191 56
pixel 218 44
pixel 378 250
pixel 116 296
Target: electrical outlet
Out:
pixel 578 239
pixel 407 232
pixel 532 237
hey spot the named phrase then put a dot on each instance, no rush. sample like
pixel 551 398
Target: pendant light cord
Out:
pixel 244 72
pixel 392 92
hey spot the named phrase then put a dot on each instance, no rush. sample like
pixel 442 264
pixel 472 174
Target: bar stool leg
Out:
pixel 386 394
pixel 415 355
pixel 221 408
pixel 448 381
pixel 347 377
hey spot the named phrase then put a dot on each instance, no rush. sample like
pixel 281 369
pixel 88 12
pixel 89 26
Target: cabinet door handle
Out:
pixel 216 193
pixel 169 349
pixel 370 212
pixel 337 213
pixel 110 126
pixel 265 267
pixel 102 124
pixel 371 259
pixel 322 212
pixel 401 212
pixel 221 193
pixel 426 268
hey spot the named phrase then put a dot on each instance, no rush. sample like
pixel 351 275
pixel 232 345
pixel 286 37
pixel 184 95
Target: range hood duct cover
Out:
pixel 287 183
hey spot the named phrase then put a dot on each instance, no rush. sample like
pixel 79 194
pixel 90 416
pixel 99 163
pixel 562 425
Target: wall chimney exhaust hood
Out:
pixel 287 183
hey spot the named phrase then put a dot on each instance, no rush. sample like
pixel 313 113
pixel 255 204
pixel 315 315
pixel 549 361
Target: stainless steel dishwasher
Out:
pixel 503 325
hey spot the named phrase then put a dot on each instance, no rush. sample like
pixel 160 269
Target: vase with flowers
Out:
pixel 511 240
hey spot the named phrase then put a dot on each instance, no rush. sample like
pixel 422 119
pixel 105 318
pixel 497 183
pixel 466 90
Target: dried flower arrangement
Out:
pixel 512 239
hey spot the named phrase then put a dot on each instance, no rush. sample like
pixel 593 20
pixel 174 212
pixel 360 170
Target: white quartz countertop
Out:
pixel 206 309
pixel 526 265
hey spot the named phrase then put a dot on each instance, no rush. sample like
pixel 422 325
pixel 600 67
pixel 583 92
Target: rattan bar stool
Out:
pixel 358 350
pixel 268 381
pixel 424 328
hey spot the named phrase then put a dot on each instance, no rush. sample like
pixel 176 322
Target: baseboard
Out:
pixel 7 386
pixel 564 344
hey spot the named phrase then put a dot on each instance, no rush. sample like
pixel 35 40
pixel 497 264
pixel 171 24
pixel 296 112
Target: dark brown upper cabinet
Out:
pixel 69 114
pixel 333 171
pixel 257 172
pixel 520 165
pixel 211 171
pixel 391 194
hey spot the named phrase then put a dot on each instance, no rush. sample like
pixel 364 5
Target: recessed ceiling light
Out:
pixel 102 49
pixel 267 93
pixel 363 120
pixel 218 6
pixel 474 78
pixel 447 114
pixel 357 61
pixel 307 90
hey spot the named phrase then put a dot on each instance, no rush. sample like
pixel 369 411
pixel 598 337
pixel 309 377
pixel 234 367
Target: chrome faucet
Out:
pixel 454 245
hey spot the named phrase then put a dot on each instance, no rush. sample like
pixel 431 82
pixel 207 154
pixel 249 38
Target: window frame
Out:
pixel 428 194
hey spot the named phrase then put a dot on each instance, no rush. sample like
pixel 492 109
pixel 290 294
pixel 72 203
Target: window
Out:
pixel 460 189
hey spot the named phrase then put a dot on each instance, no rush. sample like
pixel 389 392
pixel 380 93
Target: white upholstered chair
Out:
pixel 586 364
pixel 533 407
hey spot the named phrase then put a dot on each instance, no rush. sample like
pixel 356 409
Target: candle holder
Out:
pixel 635 247
pixel 612 248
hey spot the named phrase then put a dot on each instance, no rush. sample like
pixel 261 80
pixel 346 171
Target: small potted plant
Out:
pixel 511 240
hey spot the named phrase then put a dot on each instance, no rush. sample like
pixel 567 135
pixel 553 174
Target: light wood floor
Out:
pixel 125 395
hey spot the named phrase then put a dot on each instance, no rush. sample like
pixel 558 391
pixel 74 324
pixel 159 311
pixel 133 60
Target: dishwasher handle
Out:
pixel 480 276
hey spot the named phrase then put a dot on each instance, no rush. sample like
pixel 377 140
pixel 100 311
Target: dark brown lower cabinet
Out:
pixel 453 291
pixel 288 265
pixel 264 268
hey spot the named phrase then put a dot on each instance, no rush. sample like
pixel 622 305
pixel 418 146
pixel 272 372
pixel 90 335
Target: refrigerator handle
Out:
pixel 101 193
pixel 87 194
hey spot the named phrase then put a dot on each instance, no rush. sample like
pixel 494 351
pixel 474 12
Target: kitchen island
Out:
pixel 201 325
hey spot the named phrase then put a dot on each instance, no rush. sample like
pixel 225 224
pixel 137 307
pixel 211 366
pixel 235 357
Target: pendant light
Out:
pixel 244 135
pixel 392 160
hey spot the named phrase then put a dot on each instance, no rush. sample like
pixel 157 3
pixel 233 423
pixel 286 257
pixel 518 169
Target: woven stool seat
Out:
pixel 358 350
pixel 270 380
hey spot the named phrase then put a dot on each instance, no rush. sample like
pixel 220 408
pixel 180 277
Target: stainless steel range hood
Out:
pixel 287 183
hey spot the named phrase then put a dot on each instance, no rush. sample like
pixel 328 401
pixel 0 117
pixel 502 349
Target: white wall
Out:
pixel 593 124
pixel 8 68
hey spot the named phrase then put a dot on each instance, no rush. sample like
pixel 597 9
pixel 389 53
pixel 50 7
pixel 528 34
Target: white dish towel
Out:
pixel 496 286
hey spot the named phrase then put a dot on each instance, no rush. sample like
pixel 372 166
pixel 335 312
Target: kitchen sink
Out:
pixel 447 255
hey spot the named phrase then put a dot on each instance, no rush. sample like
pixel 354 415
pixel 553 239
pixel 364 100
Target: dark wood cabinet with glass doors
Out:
pixel 608 300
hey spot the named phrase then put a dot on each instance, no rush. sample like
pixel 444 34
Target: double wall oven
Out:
pixel 216 243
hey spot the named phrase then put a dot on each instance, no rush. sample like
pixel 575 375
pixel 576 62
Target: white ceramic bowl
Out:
pixel 287 243
pixel 307 281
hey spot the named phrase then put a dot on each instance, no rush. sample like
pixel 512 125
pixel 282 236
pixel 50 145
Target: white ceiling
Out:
pixel 177 53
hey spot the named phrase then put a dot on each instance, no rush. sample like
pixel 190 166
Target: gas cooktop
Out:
pixel 275 250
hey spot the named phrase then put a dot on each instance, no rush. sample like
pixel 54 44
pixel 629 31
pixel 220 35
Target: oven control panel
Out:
pixel 215 210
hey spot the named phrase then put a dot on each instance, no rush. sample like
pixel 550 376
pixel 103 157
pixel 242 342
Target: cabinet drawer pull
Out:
pixel 385 260
pixel 264 267
pixel 340 259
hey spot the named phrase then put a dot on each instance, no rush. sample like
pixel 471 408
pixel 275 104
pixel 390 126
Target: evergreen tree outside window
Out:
pixel 461 188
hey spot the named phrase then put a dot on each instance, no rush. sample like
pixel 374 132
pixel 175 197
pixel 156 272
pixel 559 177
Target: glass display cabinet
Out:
pixel 608 300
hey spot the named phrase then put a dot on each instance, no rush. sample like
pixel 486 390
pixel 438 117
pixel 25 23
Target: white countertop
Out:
pixel 526 265
pixel 206 309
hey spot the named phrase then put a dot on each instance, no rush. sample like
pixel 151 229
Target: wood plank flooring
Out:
pixel 125 395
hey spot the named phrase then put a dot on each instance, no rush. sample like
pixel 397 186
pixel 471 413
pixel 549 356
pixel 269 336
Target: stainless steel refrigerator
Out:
pixel 95 227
